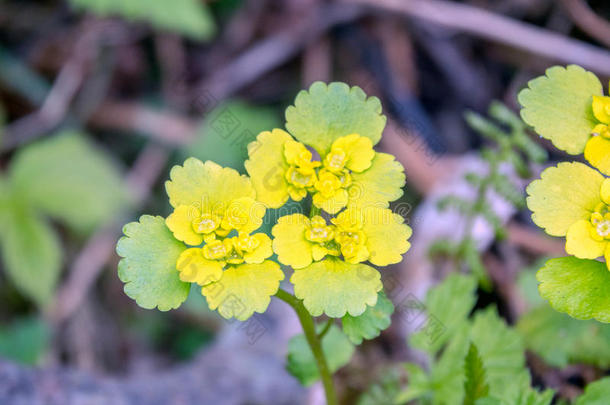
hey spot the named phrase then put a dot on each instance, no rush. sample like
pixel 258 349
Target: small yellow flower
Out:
pixel 573 200
pixel 597 149
pixel 351 173
pixel 216 213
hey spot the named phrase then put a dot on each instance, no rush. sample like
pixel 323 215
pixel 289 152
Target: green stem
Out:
pixel 309 328
pixel 326 329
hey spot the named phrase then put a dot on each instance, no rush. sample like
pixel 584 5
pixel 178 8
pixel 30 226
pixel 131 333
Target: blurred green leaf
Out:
pixel 475 386
pixel 188 17
pixel 25 340
pixel 66 177
pixel 370 324
pixel 226 132
pixel 561 340
pixel 578 287
pixel 596 393
pixel 337 349
pixel 450 303
pixel 148 266
pixel 31 252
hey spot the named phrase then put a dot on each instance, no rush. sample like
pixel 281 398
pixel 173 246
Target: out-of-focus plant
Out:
pixel 477 359
pixel 572 199
pixel 213 237
pixel 188 17
pixel 65 179
pixel 509 145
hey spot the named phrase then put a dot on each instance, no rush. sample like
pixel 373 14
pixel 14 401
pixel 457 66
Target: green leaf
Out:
pixel 596 393
pixel 450 303
pixel 148 267
pixel 561 340
pixel 337 349
pixel 327 112
pixel 475 386
pixel 559 106
pixel 31 252
pixel 226 132
pixel 66 177
pixel 25 340
pixel 189 17
pixel 577 287
pixel 348 288
pixel 370 324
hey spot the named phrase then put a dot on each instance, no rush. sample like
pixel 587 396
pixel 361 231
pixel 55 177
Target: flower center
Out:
pixel 328 184
pixel 215 250
pixel 206 223
pixel 335 160
pixel 300 178
pixel 319 232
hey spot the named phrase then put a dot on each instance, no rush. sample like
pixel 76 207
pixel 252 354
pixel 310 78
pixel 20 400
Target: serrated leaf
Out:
pixel 327 112
pixel 561 340
pixel 578 287
pixel 559 106
pixel 66 177
pixel 450 303
pixel 25 340
pixel 337 349
pixel 370 324
pixel 31 252
pixel 226 132
pixel 148 266
pixel 596 393
pixel 188 17
pixel 475 386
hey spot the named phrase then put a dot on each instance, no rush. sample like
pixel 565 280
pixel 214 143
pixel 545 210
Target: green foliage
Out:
pixel 500 350
pixel 370 324
pixel 561 340
pixel 384 391
pixel 510 145
pixel 337 349
pixel 148 267
pixel 188 17
pixel 25 340
pixel 577 287
pixel 558 106
pixel 450 302
pixel 63 177
pixel 69 179
pixel 31 252
pixel 227 130
pixel 596 393
pixel 327 112
pixel 475 386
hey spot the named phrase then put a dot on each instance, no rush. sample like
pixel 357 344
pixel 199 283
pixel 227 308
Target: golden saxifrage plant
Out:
pixel 212 238
pixel 572 199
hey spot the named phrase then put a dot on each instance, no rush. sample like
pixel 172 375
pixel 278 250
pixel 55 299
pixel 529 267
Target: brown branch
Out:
pixel 585 19
pixel 497 28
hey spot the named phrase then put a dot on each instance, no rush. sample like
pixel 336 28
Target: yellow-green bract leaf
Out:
pixel 581 341
pixel 335 287
pixel 370 324
pixel 327 112
pixel 67 178
pixel 337 349
pixel 578 287
pixel 148 267
pixel 188 17
pixel 563 195
pixel 31 252
pixel 559 106
pixel 596 393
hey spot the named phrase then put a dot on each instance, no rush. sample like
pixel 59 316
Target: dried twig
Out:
pixel 493 27
pixel 594 25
